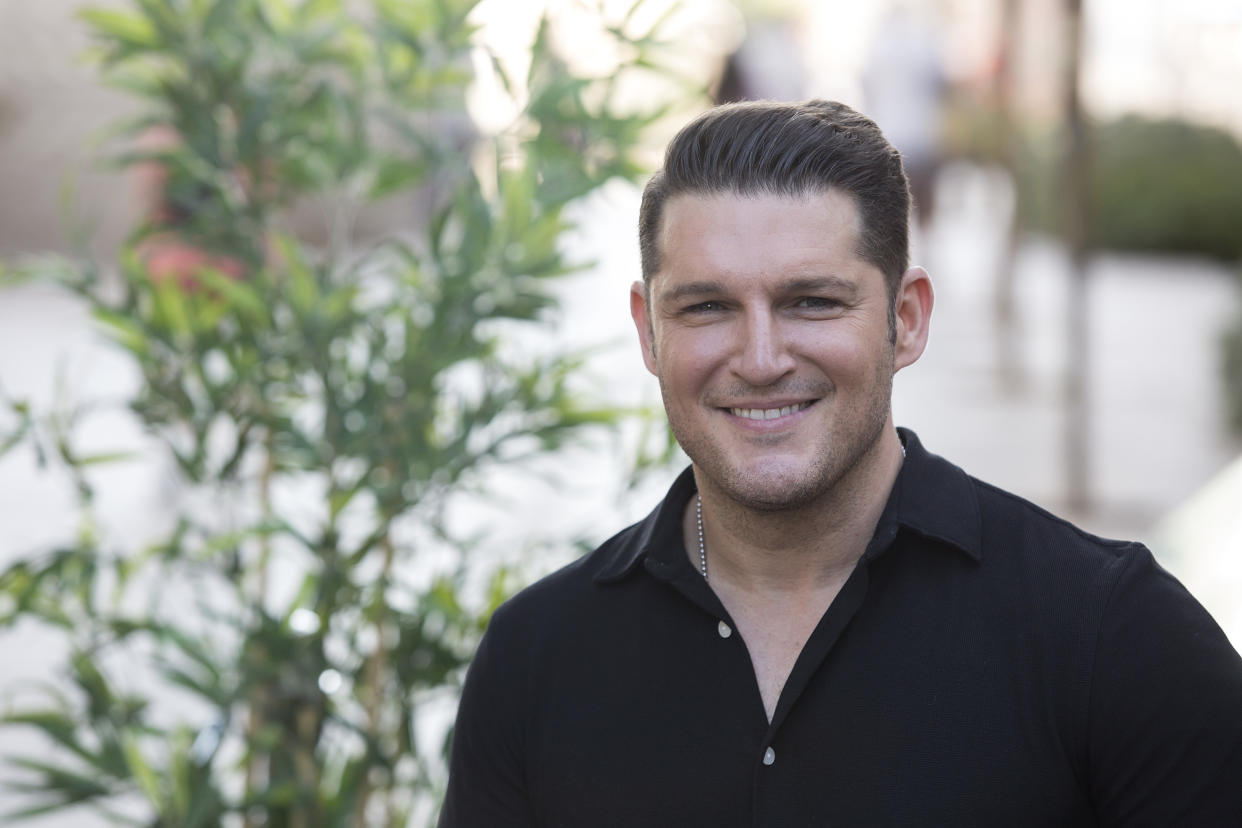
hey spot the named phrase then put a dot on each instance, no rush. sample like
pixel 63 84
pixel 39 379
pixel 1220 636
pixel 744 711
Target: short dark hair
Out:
pixel 793 149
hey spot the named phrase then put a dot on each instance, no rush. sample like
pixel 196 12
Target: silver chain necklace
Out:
pixel 702 546
pixel 698 513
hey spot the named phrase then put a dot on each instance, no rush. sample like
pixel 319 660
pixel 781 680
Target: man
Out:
pixel 823 623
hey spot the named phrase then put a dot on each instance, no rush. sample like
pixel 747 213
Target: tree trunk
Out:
pixel 1075 170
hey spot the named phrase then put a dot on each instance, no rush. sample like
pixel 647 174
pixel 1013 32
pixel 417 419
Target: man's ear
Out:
pixel 913 307
pixel 641 315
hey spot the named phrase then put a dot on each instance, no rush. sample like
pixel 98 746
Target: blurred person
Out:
pixel 823 622
pixel 766 65
pixel 164 251
pixel 904 86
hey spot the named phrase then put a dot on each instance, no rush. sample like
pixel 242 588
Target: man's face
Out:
pixel 770 338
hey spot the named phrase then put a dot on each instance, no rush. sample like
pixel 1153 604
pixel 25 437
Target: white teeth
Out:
pixel 767 413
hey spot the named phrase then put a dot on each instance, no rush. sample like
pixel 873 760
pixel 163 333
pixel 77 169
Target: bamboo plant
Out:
pixel 321 401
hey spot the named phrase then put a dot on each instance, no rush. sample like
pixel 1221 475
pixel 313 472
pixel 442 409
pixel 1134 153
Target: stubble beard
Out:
pixel 857 436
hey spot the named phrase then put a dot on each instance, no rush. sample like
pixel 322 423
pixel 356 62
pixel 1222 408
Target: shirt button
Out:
pixel 769 756
pixel 724 629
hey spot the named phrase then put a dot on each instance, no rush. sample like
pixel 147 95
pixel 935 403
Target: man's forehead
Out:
pixel 696 225
pixel 830 205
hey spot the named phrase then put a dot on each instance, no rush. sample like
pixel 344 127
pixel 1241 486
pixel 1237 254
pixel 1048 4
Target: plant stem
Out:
pixel 258 695
pixel 377 665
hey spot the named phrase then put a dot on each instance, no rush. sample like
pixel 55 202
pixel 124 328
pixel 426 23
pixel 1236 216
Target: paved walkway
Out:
pixel 1157 429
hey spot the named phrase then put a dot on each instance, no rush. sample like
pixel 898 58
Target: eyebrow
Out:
pixel 814 283
pixel 810 283
pixel 691 289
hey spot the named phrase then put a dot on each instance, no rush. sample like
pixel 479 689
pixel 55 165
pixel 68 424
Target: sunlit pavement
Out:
pixel 1157 426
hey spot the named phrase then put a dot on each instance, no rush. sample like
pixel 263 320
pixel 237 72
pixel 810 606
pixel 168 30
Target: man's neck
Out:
pixel 777 573
pixel 797 551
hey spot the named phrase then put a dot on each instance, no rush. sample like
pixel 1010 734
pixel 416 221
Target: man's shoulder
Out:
pixel 1066 577
pixel 1051 559
pixel 941 500
pixel 1015 520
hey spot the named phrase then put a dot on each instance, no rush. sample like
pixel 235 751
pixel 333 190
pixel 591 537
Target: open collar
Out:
pixel 936 499
pixel 657 536
pixel 931 497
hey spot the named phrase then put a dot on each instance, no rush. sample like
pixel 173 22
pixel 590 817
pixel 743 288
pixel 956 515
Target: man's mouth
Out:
pixel 768 413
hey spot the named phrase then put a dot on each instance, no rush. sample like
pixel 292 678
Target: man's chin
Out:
pixel 772 492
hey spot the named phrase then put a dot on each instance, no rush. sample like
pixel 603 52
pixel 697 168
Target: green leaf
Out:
pixel 395 173
pixel 142 772
pixel 14 439
pixel 125 28
pixel 303 598
pixel 303 289
pixel 341 498
pixel 55 724
pixel 92 682
pixel 122 329
pixel 171 309
pixel 237 292
pixel 67 786
pixel 104 458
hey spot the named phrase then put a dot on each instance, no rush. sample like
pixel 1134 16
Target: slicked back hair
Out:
pixel 788 149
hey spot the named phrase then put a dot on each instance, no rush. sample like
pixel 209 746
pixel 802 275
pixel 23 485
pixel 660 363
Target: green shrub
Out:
pixel 1162 186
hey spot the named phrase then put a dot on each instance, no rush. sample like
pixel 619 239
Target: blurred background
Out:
pixel 1078 184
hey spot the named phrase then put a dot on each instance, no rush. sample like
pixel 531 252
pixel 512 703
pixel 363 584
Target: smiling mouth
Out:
pixel 768 413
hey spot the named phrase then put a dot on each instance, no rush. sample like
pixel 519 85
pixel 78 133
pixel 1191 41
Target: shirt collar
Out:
pixel 658 535
pixel 931 497
pixel 936 499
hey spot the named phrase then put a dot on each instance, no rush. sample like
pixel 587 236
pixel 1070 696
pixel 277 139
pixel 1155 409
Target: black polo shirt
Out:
pixel 986 664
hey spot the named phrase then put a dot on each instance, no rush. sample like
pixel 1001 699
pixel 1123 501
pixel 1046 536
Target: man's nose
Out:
pixel 763 355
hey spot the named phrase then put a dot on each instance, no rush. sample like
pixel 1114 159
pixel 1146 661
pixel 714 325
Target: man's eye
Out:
pixel 704 307
pixel 817 303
